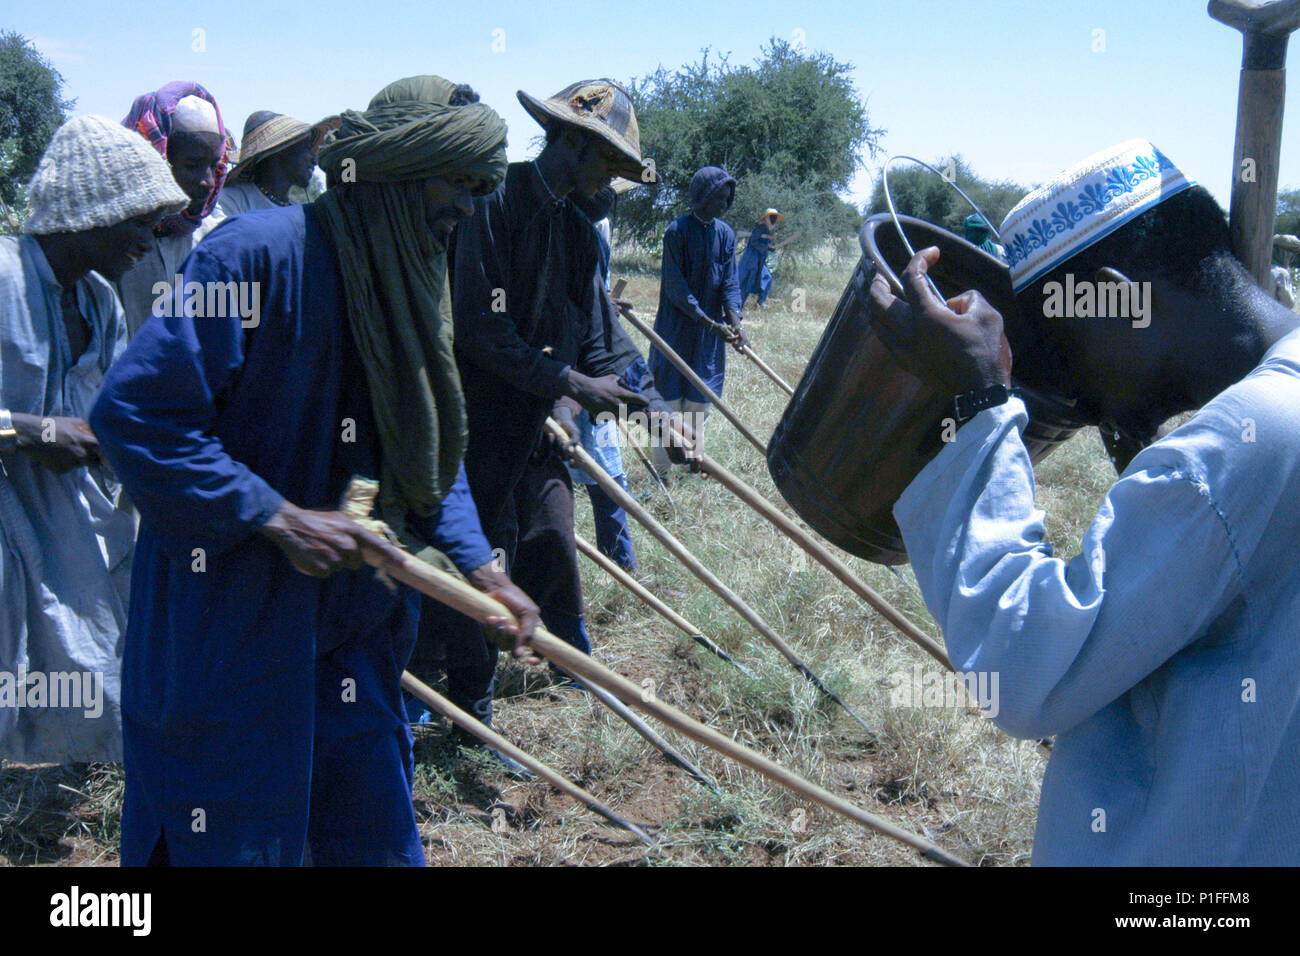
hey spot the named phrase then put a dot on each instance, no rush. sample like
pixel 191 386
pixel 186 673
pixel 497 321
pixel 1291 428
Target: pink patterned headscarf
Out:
pixel 151 117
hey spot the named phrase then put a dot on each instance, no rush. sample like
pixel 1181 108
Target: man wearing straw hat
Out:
pixel 536 332
pixel 1163 657
pixel 67 531
pixel 261 702
pixel 755 277
pixel 276 154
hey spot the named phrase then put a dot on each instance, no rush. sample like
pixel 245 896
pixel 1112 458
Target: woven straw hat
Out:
pixel 602 107
pixel 772 212
pixel 265 134
pixel 96 172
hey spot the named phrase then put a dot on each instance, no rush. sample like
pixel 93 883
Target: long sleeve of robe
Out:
pixel 1163 657
pixel 66 540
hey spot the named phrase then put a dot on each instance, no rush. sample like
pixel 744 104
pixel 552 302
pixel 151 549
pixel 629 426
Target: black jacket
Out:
pixel 528 305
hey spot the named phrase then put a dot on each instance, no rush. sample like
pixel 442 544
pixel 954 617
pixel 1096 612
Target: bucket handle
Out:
pixel 889 198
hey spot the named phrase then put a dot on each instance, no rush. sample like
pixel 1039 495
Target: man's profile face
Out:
pixel 194 158
pixel 113 250
pixel 598 164
pixel 448 200
pixel 297 161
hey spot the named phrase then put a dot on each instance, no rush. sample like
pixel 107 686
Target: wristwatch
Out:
pixel 969 404
pixel 8 434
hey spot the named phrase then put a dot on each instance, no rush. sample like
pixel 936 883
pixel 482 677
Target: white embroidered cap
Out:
pixel 1087 202
pixel 96 172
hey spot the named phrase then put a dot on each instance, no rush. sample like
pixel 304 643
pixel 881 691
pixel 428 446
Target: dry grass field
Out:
pixel 942 772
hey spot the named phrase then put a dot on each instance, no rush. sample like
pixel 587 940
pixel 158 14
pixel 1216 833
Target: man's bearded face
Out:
pixel 448 200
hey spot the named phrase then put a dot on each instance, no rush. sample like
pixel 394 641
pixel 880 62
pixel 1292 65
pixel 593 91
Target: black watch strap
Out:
pixel 969 404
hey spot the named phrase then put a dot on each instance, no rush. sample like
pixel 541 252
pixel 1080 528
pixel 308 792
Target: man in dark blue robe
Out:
pixel 699 300
pixel 755 277
pixel 263 720
pixel 536 334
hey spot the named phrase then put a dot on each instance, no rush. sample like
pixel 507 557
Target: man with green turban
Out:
pixel 979 233
pixel 263 720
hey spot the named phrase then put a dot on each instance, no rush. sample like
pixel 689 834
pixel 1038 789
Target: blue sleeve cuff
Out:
pixel 458 533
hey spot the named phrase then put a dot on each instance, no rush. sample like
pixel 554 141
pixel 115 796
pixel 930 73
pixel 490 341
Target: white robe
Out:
pixel 66 540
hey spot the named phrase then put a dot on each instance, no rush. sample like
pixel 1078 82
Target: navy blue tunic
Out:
pixel 261 707
pixel 699 270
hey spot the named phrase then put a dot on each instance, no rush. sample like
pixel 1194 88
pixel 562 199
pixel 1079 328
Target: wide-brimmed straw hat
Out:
pixel 600 106
pixel 772 212
pixel 265 134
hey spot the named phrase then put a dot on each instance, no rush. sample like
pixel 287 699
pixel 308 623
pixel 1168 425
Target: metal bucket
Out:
pixel 859 428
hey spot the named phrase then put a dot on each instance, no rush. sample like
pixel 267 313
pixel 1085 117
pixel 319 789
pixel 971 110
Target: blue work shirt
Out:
pixel 1164 657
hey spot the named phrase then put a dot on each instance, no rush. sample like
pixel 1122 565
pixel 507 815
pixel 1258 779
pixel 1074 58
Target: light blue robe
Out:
pixel 65 539
pixel 1164 657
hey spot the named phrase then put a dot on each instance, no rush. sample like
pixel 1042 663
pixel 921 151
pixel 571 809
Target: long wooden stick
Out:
pixel 461 596
pixel 786 241
pixel 429 696
pixel 823 556
pixel 649 598
pixel 688 373
pixel 767 370
pixel 650 736
pixel 612 488
pixel 649 465
pixel 654 739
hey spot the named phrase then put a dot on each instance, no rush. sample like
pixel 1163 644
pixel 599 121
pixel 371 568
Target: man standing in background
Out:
pixel 275 155
pixel 699 302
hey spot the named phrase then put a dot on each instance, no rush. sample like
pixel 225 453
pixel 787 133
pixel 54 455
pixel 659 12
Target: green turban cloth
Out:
pixel 394 267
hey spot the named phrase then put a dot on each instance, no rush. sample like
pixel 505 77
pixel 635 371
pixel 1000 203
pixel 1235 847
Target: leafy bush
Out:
pixel 32 107
pixel 791 129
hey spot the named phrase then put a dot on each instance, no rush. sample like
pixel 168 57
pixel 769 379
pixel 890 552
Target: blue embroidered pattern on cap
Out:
pixel 1091 200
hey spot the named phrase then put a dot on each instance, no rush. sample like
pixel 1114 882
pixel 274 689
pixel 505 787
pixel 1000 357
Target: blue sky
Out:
pixel 1015 87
